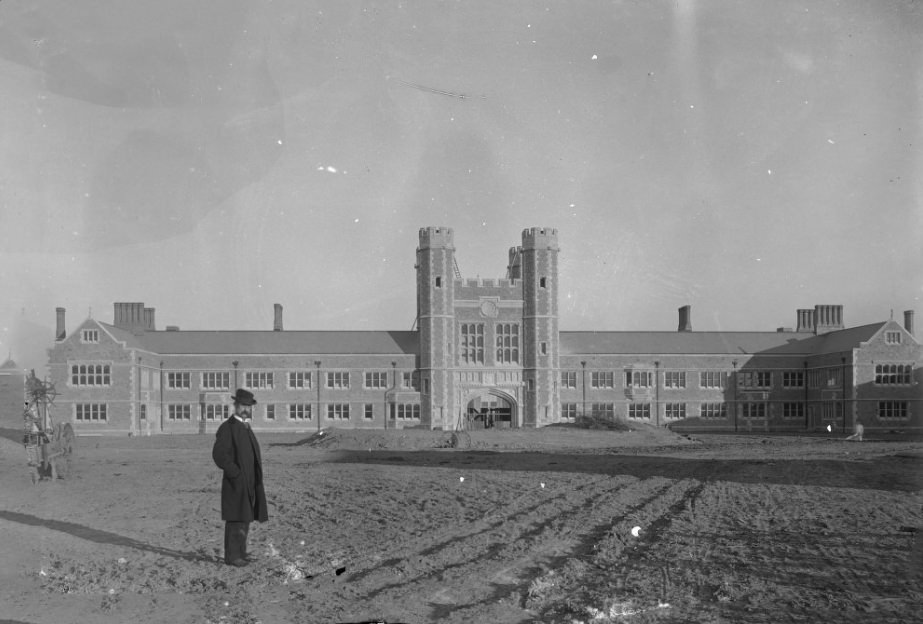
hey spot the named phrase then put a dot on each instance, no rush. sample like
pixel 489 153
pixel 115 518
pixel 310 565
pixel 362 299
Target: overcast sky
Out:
pixel 212 158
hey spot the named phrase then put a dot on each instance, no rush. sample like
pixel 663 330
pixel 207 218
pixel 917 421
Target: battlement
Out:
pixel 436 237
pixel 540 238
pixel 482 282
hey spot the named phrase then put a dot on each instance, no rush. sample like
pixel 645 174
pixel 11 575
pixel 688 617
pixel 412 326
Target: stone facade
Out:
pixel 488 353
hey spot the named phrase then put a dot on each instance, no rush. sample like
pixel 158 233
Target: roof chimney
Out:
pixel 685 319
pixel 827 318
pixel 908 321
pixel 277 322
pixel 60 333
pixel 805 320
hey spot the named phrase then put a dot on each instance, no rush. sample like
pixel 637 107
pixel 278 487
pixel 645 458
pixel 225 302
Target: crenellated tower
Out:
pixel 436 323
pixel 541 364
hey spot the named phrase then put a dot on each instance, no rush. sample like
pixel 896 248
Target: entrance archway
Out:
pixel 489 410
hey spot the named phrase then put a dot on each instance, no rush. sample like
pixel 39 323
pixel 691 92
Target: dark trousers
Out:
pixel 235 540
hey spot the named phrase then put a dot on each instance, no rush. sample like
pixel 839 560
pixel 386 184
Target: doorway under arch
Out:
pixel 490 409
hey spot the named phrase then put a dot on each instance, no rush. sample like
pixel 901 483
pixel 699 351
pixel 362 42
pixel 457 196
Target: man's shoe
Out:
pixel 239 563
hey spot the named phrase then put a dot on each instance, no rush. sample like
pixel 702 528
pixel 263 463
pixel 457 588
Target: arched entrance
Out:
pixel 490 409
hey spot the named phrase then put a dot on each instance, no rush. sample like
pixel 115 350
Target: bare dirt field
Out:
pixel 559 525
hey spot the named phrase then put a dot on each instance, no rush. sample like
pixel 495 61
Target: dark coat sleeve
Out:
pixel 224 453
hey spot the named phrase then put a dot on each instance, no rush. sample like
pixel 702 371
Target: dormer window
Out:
pixel 89 336
pixel 893 337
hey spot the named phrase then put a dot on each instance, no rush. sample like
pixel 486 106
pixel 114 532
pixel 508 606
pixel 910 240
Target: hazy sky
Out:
pixel 212 158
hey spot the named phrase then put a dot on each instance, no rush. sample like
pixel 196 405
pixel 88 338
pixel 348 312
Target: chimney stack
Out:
pixel 277 322
pixel 60 333
pixel 827 318
pixel 805 320
pixel 685 319
pixel 908 321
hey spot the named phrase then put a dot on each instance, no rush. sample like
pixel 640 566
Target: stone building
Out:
pixel 489 353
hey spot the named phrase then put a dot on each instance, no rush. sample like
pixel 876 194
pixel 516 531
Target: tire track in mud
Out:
pixel 469 572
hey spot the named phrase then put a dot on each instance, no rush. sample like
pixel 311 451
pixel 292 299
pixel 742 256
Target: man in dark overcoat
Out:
pixel 243 499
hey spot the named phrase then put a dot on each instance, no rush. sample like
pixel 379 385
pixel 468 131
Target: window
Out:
pixel 543 348
pixel 713 410
pixel 604 410
pixel 408 411
pixel 179 411
pixel 893 374
pixel 833 377
pixel 338 380
pixel 216 380
pixel 639 379
pixel 675 410
pixel 299 411
pixel 507 343
pixel 754 379
pixel 438 282
pixel 793 379
pixel 893 337
pixel 91 375
pixel 142 412
pixel 270 411
pixel 568 379
pixel 894 409
pixel 472 343
pixel 832 410
pixel 411 380
pixel 530 384
pixel 712 379
pixel 299 380
pixel 258 380
pixel 568 410
pixel 376 379
pixel 369 411
pixel 338 411
pixel 89 336
pixel 179 381
pixel 792 410
pixel 91 412
pixel 216 411
pixel 674 379
pixel 753 410
pixel 602 379
pixel 426 386
pixel 639 410
pixel 543 282
pixel 813 378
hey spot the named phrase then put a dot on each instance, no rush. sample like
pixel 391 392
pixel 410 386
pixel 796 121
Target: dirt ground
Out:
pixel 559 525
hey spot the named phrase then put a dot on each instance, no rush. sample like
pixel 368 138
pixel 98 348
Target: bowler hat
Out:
pixel 244 397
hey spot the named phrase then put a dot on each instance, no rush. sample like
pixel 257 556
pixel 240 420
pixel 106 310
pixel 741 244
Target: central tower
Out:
pixel 436 323
pixel 541 363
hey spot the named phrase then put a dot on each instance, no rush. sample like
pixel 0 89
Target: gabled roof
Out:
pixel 9 364
pixel 715 343
pixel 833 342
pixel 244 342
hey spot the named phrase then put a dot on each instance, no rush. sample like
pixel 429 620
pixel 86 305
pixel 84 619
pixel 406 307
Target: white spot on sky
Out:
pixel 831 141
pixel 594 57
pixel 279 141
pixel 356 221
pixel 769 171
